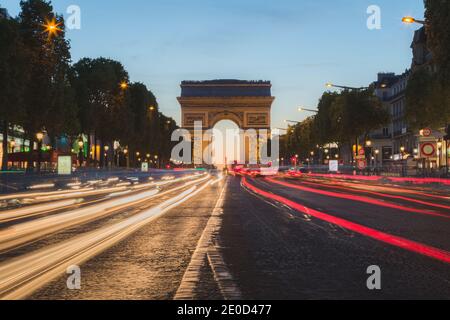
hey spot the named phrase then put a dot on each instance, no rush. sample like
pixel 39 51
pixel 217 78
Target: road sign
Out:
pixel 362 152
pixel 64 165
pixel 428 150
pixel 426 132
pixel 362 164
pixel 334 165
pixel 144 167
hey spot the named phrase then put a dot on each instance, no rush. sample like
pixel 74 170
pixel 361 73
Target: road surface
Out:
pixel 203 236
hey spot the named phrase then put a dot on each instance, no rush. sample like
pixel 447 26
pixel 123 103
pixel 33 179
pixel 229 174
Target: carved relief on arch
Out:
pixel 215 117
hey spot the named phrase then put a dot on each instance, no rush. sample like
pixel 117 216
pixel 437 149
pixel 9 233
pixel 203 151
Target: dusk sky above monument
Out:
pixel 299 45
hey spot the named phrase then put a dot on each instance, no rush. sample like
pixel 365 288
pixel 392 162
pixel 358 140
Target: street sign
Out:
pixel 64 165
pixel 362 164
pixel 334 165
pixel 428 150
pixel 144 167
pixel 426 132
pixel 362 152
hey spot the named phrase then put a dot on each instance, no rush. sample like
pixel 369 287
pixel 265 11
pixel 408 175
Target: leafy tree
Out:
pixel 438 41
pixel 326 121
pixel 100 98
pixel 48 59
pixel 12 79
pixel 356 113
pixel 425 105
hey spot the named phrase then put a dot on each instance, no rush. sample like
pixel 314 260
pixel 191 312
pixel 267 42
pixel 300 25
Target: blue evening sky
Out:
pixel 297 44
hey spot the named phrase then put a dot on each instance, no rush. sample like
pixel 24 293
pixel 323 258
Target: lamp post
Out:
pixel 106 156
pixel 302 109
pixel 40 138
pixel 127 158
pixel 12 144
pixel 331 85
pixel 377 153
pixel 80 152
pixel 439 153
pixel 410 20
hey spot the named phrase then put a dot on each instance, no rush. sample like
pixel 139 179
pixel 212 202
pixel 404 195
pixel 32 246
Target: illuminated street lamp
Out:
pixel 80 152
pixel 12 144
pixel 331 85
pixel 411 20
pixel 52 27
pixel 124 85
pixel 40 138
pixel 302 109
pixel 368 143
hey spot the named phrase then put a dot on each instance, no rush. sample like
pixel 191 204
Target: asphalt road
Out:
pixel 199 236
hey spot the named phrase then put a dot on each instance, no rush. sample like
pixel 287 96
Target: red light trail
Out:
pixel 358 198
pixel 335 186
pixel 396 241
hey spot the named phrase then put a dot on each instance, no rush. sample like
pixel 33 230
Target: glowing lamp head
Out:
pixel 123 85
pixel 52 27
pixel 408 20
pixel 40 136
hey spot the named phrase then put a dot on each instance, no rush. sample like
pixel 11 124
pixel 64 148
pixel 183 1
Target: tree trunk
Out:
pixel 5 146
pixel 88 159
pixel 102 154
pixel 30 154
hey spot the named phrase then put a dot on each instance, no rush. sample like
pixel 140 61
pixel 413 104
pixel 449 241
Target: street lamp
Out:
pixel 410 20
pixel 301 109
pixel 80 152
pixel 439 146
pixel 368 143
pixel 40 138
pixel 52 27
pixel 331 85
pixel 12 144
pixel 124 85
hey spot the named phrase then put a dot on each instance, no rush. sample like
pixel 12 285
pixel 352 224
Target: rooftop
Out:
pixel 226 88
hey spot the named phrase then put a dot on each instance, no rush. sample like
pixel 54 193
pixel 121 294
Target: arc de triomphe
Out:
pixel 246 103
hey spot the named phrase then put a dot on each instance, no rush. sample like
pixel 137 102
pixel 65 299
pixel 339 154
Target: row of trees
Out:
pixel 342 119
pixel 428 92
pixel 42 91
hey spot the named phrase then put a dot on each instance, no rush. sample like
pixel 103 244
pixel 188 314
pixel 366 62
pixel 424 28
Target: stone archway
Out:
pixel 247 103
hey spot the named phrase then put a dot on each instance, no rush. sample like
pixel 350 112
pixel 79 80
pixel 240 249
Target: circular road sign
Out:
pixel 427 132
pixel 428 149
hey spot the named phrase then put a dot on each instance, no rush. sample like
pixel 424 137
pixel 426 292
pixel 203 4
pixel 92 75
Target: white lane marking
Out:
pixel 206 251
pixel 24 275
